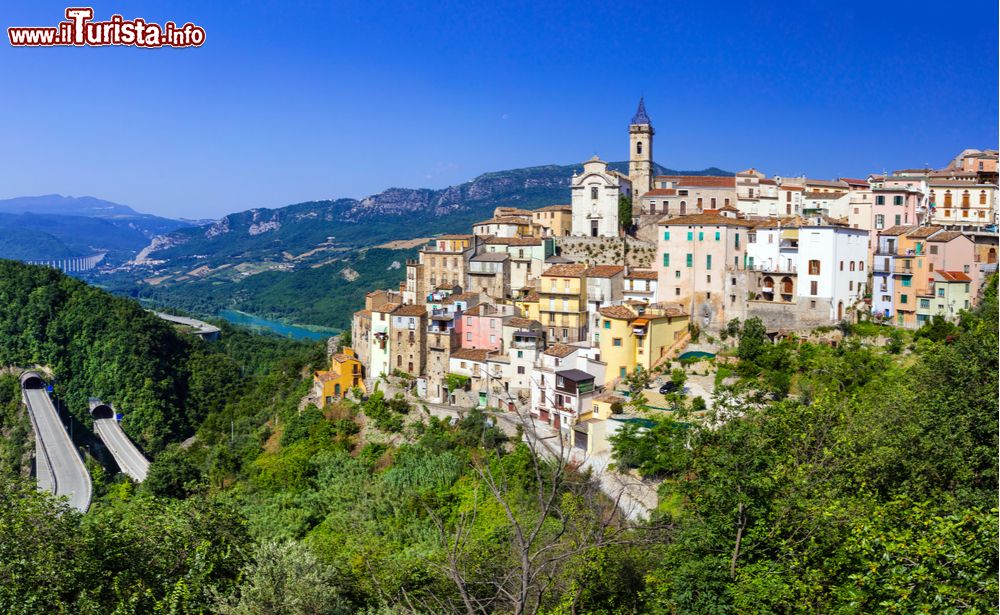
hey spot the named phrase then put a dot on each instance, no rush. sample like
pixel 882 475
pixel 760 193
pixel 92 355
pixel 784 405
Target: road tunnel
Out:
pixel 31 380
pixel 102 411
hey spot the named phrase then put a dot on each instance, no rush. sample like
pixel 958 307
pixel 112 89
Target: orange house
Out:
pixel 345 373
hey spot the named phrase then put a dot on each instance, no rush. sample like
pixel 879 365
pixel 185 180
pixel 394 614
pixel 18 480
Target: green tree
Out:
pixel 753 340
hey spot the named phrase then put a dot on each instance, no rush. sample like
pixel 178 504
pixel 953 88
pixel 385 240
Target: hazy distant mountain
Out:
pixel 310 262
pixel 56 226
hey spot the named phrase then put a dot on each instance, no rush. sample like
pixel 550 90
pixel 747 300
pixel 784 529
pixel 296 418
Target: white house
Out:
pixel 595 199
pixel 548 396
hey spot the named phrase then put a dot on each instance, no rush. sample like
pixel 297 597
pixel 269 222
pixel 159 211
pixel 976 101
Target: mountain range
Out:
pixel 308 263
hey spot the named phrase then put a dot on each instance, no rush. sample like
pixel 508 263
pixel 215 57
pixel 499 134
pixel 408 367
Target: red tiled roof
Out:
pixel 560 350
pixel 642 274
pixel 661 192
pixel 470 354
pixel 556 208
pixel 850 181
pixel 566 270
pixel 704 220
pixel 945 236
pixel 619 312
pixel 794 188
pixel 954 276
pixel 701 181
pixel 410 310
pixel 604 271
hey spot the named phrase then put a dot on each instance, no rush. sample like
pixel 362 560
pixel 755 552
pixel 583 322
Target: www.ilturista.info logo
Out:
pixel 79 30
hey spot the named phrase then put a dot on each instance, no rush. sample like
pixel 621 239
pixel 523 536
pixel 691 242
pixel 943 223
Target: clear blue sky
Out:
pixel 297 101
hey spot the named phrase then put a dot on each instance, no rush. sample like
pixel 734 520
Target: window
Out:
pixel 879 222
pixel 907 282
pixel 677 274
pixel 593 193
pixel 982 196
pixel 666 235
pixel 493 339
pixel 607 324
pixel 520 369
pixel 925 304
pixel 701 236
pixel 690 260
pixel 718 235
pixel 708 279
pixel 736 237
pixel 965 198
pixel 468 321
pixel 677 292
pixel 666 259
pixel 934 249
pixel 898 219
pixel 814 267
pixel 638 147
pixel 708 261
pixel 880 200
pixel 940 292
pixel 468 336
pixel 897 200
pixel 621 372
pixel 852 265
pixel 617 342
pixel 903 299
pixel 690 235
pixel 713 201
pixel 814 288
pixel 947 198
pixel 841 265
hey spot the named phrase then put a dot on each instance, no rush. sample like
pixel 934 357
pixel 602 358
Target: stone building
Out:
pixel 409 339
pixel 489 273
pixel 640 165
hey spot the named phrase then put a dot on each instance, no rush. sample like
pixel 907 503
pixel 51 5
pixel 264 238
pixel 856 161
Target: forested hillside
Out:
pixel 855 479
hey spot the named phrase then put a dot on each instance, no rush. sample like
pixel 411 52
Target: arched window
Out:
pixel 593 192
pixel 982 197
pixel 965 198
pixel 852 265
pixel 947 198
pixel 861 265
pixel 638 147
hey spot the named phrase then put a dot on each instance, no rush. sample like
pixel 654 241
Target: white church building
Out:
pixel 595 199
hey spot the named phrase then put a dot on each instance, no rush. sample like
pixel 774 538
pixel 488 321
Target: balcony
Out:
pixel 559 291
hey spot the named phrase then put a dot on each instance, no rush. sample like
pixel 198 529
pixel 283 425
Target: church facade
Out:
pixel 597 190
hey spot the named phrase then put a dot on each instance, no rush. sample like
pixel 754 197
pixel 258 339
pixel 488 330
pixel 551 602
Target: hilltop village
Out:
pixel 551 311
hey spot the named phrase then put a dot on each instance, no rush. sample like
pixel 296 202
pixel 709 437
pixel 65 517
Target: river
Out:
pixel 297 332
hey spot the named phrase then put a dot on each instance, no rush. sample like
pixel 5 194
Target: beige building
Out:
pixel 562 303
pixel 443 262
pixel 962 202
pixel 679 195
pixel 756 195
pixel 408 330
pixel 698 257
pixel 553 221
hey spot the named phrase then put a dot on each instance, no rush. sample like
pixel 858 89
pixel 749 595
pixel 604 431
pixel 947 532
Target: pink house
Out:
pixel 892 206
pixel 953 251
pixel 481 327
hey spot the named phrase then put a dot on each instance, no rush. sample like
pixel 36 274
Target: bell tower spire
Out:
pixel 640 159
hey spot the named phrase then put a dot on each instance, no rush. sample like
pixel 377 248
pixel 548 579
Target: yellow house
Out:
pixel 562 302
pixel 527 306
pixel 639 337
pixel 553 221
pixel 344 374
pixel 591 431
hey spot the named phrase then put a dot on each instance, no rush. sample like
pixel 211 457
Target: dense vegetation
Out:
pixel 860 478
pixel 311 295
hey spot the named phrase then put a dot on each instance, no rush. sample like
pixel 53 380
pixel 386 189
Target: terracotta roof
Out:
pixel 897 230
pixel 532 296
pixel 792 222
pixel 609 398
pixel 470 354
pixel 850 181
pixel 768 182
pixel 568 270
pixel 410 310
pixel 946 236
pixel 504 220
pixel 661 192
pixel 387 308
pixel 641 274
pixel 706 181
pixel 517 321
pixel 824 182
pixel 363 313
pixel 791 187
pixel 824 195
pixel 556 208
pixel 954 276
pixel 704 220
pixel 459 297
pixel 959 184
pixel 604 271
pixel 343 358
pixel 924 232
pixel 514 241
pixel 453 237
pixel 619 312
pixel 560 350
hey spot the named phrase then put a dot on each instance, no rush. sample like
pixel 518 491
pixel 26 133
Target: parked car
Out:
pixel 668 387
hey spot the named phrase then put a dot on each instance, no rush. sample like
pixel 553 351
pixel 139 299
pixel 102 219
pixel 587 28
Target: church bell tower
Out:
pixel 640 159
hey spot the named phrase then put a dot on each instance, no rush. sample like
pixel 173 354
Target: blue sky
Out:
pixel 290 101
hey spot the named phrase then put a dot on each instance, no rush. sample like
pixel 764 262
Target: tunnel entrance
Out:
pixel 31 380
pixel 102 411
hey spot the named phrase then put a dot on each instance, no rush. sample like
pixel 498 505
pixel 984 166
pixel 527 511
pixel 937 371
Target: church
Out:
pixel 597 190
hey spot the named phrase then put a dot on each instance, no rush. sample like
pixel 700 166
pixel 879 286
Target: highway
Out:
pixel 200 327
pixel 129 459
pixel 59 468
